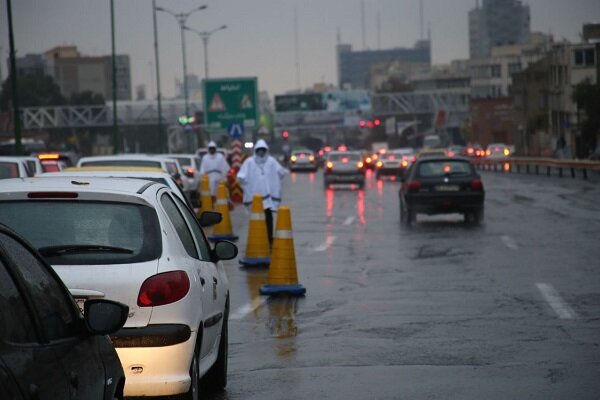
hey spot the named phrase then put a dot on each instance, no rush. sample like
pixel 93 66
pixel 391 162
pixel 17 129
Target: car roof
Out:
pixel 109 173
pixel 119 157
pixel 88 188
pixel 12 158
pixel 114 168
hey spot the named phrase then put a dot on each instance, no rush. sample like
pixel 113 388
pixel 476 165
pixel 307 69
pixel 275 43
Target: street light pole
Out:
pixel 13 81
pixel 181 20
pixel 116 139
pixel 205 36
pixel 161 139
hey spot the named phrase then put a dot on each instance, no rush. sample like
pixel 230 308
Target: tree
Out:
pixel 34 90
pixel 587 97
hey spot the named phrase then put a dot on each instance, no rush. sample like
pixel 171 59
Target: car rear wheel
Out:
pixel 194 391
pixel 216 378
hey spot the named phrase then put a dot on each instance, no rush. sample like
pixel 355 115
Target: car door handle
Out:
pixel 202 281
pixel 215 280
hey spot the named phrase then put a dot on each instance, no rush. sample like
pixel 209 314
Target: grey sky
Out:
pixel 259 40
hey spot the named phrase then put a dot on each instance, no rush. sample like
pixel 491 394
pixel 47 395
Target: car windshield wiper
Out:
pixel 81 248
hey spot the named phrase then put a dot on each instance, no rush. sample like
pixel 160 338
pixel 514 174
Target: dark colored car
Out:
pixel 344 167
pixel 48 349
pixel 442 185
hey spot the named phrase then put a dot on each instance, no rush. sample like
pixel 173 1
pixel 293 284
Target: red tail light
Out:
pixel 311 158
pixel 414 186
pixel 476 184
pixel 360 164
pixel 165 288
pixel 345 160
pixel 413 159
pixel 330 165
pixel 379 164
pixel 191 170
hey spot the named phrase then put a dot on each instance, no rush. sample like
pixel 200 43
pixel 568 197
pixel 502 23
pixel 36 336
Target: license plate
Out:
pixel 80 302
pixel 446 188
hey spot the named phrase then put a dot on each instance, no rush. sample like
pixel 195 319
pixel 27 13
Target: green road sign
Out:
pixel 230 100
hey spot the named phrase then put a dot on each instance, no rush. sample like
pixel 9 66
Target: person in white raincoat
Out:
pixel 262 174
pixel 215 166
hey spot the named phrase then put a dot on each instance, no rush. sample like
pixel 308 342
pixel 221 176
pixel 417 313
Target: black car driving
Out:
pixel 442 185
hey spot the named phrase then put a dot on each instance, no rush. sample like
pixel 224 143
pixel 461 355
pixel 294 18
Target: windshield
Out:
pixel 437 168
pixel 76 229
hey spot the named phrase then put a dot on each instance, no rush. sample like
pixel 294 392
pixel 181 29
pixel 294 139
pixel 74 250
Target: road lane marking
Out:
pixel 349 220
pixel 509 242
pixel 246 309
pixel 328 242
pixel 560 307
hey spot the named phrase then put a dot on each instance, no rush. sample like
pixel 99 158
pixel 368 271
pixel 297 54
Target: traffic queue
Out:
pixel 133 246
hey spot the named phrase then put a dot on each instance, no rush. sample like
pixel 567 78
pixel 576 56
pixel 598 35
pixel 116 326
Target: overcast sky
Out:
pixel 260 39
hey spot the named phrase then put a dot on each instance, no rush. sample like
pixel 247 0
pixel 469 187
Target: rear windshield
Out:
pixel 8 170
pixel 183 161
pixel 436 168
pixel 171 167
pixel 86 232
pixel 50 166
pixel 123 163
pixel 341 156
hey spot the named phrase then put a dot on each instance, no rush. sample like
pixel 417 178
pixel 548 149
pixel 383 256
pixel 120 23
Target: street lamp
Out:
pixel 181 19
pixel 205 36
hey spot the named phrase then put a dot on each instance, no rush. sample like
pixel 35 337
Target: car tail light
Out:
pixel 414 186
pixel 165 288
pixel 294 158
pixel 369 160
pixel 191 170
pixel 506 152
pixel 470 150
pixel 329 165
pixel 405 163
pixel 450 154
pixel 302 155
pixel 52 195
pixel 413 159
pixel 345 160
pixel 48 156
pixel 476 184
pixel 379 164
pixel 360 164
pixel 320 152
pixel 327 149
pixel 488 152
pixel 391 157
pixel 311 158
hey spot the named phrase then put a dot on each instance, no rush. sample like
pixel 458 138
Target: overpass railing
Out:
pixel 537 165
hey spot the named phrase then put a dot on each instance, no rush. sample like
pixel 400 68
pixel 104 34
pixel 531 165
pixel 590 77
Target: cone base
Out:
pixel 214 238
pixel 255 262
pixel 294 290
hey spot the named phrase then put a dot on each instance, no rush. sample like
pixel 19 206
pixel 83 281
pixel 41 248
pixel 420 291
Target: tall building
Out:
pixel 354 67
pixel 75 73
pixel 497 23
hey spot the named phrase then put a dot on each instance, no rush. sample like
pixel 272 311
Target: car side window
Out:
pixel 180 226
pixel 196 230
pixel 54 308
pixel 16 325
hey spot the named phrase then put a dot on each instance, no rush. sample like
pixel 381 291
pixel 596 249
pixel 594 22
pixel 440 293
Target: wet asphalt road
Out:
pixel 444 310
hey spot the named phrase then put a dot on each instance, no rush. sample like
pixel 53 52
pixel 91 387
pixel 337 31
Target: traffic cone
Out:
pixel 205 196
pixel 283 277
pixel 223 230
pixel 257 246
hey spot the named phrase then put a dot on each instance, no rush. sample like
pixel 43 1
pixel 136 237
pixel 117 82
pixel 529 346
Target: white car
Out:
pixel 190 164
pixel 497 151
pixel 137 160
pixel 150 174
pixel 303 160
pixel 137 243
pixel 13 167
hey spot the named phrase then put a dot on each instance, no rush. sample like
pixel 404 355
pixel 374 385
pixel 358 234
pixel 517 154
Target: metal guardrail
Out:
pixel 535 164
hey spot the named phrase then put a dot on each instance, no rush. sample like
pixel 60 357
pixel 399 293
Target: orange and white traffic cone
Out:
pixel 205 196
pixel 283 276
pixel 223 230
pixel 258 251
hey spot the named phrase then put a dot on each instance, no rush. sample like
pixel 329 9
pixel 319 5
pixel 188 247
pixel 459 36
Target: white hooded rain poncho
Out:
pixel 215 166
pixel 262 175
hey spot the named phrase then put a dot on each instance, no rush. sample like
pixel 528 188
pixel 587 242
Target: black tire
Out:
pixel 216 377
pixel 194 391
pixel 361 185
pixel 411 217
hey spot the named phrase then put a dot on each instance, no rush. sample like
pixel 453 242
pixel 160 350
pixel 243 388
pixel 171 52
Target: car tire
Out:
pixel 216 377
pixel 325 184
pixel 194 391
pixel 361 185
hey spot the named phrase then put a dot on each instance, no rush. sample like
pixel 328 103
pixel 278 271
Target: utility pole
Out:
pixel 13 77
pixel 161 138
pixel 115 135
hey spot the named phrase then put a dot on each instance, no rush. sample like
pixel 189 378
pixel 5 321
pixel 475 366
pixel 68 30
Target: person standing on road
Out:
pixel 262 174
pixel 215 166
